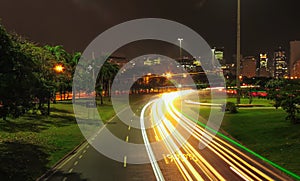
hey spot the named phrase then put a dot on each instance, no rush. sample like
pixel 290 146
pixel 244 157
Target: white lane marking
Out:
pixel 71 170
pixel 75 163
pixel 65 178
pixel 238 173
pixel 84 145
pixel 80 157
pixel 127 138
pixel 84 151
pixel 65 162
pixel 87 146
pixel 125 160
pixel 158 174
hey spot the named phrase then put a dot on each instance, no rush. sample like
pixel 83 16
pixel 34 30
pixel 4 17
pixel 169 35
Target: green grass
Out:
pixel 31 144
pixel 266 132
pixel 255 101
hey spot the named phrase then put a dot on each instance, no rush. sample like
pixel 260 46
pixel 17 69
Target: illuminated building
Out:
pixel 219 55
pixel 280 64
pixel 294 58
pixel 248 66
pixel 229 70
pixel 262 66
pixel 296 69
pixel 189 64
pixel 152 61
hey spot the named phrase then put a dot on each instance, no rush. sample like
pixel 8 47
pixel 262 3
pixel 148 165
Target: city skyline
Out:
pixel 265 25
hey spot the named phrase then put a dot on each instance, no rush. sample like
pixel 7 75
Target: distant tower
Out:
pixel 262 66
pixel 294 57
pixel 280 64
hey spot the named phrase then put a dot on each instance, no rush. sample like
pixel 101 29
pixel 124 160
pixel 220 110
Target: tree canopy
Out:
pixel 286 93
pixel 27 78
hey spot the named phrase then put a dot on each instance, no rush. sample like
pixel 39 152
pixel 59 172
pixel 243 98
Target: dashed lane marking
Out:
pixel 125 160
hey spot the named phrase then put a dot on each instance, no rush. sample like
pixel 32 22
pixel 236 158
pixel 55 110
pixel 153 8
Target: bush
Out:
pixel 229 107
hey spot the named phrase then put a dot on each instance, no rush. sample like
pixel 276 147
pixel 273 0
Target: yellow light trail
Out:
pixel 200 161
pixel 179 165
pixel 164 117
pixel 210 141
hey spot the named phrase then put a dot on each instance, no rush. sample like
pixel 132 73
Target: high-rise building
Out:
pixel 280 63
pixel 219 55
pixel 294 58
pixel 262 68
pixel 248 66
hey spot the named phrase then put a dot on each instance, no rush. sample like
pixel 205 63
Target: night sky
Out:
pixel 266 24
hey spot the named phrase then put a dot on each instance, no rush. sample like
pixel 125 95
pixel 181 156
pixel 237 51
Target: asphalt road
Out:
pixel 180 157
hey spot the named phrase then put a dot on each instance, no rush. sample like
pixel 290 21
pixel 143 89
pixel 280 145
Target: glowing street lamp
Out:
pixel 168 75
pixel 59 68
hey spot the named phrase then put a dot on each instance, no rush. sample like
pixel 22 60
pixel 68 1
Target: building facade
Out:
pixel 294 58
pixel 280 64
pixel 262 69
pixel 248 66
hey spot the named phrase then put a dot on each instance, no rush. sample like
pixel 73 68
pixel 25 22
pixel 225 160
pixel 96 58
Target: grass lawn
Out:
pixel 266 132
pixel 255 101
pixel 32 144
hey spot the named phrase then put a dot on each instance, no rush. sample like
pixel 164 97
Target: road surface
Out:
pixel 179 151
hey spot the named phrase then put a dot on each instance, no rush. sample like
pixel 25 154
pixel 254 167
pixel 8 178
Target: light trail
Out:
pixel 202 126
pixel 157 172
pixel 208 170
pixel 178 163
pixel 214 145
pixel 165 119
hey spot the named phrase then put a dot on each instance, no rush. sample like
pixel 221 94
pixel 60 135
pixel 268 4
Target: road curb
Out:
pixel 52 170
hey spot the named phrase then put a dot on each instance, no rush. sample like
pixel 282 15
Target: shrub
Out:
pixel 229 107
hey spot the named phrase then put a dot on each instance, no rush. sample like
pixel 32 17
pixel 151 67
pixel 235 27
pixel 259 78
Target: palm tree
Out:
pixel 105 78
pixel 74 61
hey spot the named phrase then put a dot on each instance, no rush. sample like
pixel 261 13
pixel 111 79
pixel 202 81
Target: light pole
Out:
pixel 180 50
pixel 238 53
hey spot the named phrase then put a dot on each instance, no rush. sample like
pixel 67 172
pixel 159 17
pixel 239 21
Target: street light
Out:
pixel 59 68
pixel 238 53
pixel 168 75
pixel 180 50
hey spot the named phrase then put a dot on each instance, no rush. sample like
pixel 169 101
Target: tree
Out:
pixel 63 80
pixel 104 80
pixel 286 93
pixel 74 62
pixel 17 76
pixel 27 78
pixel 274 89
